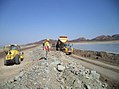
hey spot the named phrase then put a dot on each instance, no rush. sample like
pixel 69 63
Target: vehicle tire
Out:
pixel 5 62
pixel 16 59
pixel 69 53
pixel 21 59
pixel 57 48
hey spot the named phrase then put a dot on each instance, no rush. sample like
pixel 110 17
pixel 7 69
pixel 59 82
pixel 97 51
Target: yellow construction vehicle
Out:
pixel 13 56
pixel 64 45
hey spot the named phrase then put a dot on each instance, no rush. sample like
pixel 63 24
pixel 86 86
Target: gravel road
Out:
pixel 36 73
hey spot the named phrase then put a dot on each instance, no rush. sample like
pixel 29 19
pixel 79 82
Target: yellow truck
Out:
pixel 64 45
pixel 13 55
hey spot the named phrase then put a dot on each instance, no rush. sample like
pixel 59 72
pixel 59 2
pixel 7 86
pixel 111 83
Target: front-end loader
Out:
pixel 13 55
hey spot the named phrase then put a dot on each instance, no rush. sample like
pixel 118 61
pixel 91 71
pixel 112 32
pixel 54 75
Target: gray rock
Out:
pixel 60 68
pixel 16 78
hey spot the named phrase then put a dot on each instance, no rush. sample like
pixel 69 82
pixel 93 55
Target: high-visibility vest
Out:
pixel 46 46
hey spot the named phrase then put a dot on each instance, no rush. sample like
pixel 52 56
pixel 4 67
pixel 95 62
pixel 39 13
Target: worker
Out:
pixel 46 45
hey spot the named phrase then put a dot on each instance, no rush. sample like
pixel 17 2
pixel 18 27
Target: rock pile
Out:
pixel 57 72
pixel 78 77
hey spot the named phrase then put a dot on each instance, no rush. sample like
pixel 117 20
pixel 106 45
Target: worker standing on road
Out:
pixel 46 46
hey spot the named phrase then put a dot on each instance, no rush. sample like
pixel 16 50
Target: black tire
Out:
pixel 16 59
pixel 57 48
pixel 21 59
pixel 69 53
pixel 5 62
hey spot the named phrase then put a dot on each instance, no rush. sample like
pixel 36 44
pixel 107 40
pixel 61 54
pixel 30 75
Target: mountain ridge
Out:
pixel 98 38
pixel 83 39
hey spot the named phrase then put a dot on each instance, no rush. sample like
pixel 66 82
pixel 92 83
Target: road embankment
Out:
pixel 109 58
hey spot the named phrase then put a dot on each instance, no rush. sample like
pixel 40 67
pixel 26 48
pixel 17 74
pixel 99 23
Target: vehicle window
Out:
pixel 13 48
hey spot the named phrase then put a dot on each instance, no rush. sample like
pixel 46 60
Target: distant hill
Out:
pixel 98 38
pixel 41 41
pixel 106 38
pixel 51 41
pixel 79 39
pixel 102 38
pixel 115 37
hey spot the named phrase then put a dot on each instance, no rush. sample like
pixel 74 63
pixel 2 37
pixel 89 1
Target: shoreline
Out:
pixel 95 42
pixel 105 46
pixel 102 56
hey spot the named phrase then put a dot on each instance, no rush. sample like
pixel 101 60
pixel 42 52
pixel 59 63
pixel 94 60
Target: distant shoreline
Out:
pixel 95 42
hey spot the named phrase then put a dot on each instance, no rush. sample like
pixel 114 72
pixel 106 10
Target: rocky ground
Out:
pixel 58 71
pixel 110 58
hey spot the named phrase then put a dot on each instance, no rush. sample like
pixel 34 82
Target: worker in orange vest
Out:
pixel 46 46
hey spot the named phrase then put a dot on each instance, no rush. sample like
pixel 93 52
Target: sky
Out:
pixel 26 21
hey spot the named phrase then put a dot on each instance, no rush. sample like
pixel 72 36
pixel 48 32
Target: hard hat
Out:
pixel 47 39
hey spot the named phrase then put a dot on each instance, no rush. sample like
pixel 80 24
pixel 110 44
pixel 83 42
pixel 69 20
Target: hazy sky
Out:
pixel 24 21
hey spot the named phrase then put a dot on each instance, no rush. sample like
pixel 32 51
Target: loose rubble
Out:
pixel 59 71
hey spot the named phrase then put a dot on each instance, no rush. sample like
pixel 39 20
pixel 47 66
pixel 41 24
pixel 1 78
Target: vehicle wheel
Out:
pixel 5 62
pixel 16 59
pixel 69 53
pixel 56 48
pixel 21 59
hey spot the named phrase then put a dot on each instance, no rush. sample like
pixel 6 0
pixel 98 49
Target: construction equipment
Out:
pixel 13 56
pixel 64 45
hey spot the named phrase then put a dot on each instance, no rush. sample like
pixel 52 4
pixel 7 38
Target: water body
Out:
pixel 112 47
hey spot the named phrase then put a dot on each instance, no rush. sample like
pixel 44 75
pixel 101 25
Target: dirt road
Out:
pixel 108 72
